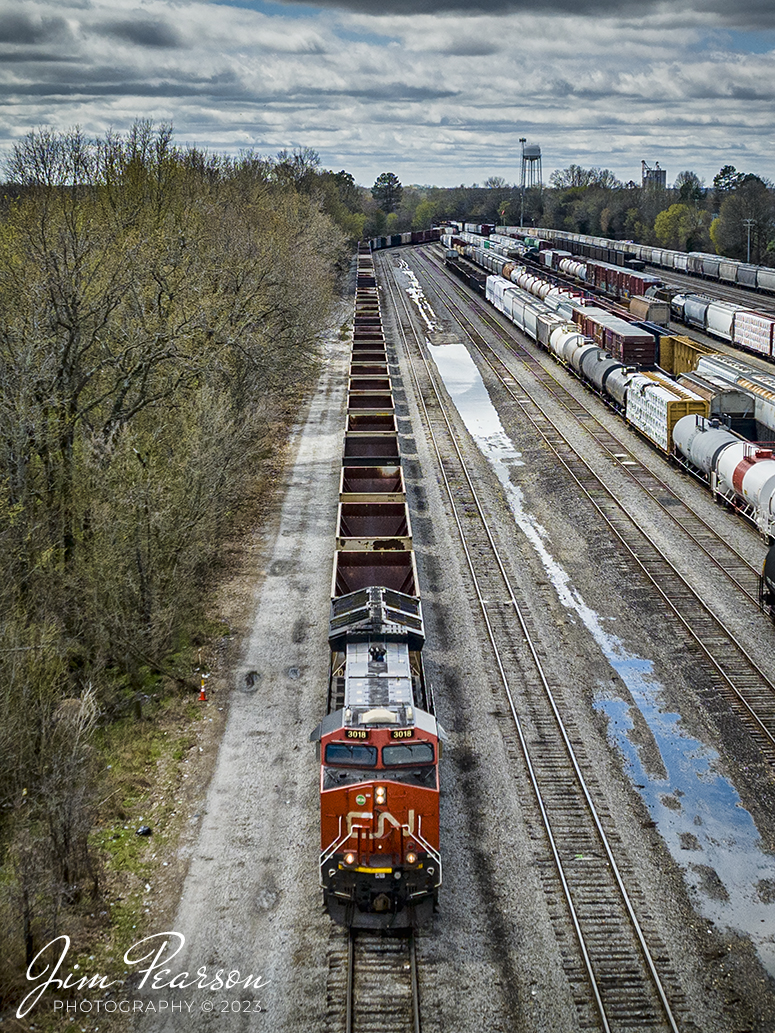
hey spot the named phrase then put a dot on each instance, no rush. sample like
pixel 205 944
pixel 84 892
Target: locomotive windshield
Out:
pixel 407 753
pixel 424 777
pixel 345 754
pixel 335 778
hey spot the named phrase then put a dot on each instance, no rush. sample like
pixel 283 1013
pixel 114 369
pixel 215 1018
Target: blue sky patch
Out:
pixel 272 10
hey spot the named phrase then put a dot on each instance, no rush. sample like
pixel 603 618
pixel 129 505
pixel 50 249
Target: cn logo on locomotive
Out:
pixel 355 817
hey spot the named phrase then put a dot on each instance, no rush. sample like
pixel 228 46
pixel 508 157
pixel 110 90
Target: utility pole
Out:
pixel 748 223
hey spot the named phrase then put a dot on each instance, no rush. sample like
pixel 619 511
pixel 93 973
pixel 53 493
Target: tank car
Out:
pixel 739 472
pixel 699 442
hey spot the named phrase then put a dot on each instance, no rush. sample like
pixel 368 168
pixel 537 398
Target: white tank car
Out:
pixel 702 441
pixel 597 367
pixel 565 340
pixel 745 476
pixel 580 352
pixel 541 288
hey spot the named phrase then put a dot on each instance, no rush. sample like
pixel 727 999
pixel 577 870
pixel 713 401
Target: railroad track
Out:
pixel 746 297
pixel 614 959
pixel 735 673
pixel 373 984
pixel 721 553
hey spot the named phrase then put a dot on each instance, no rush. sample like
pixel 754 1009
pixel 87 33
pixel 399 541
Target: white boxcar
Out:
pixel 754 330
pixel 655 404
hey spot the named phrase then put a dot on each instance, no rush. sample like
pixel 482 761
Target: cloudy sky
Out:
pixel 437 91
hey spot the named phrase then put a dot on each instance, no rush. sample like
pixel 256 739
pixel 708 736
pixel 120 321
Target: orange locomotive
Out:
pixel 379 743
pixel 379 790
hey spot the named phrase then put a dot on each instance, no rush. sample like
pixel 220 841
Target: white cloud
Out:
pixel 434 98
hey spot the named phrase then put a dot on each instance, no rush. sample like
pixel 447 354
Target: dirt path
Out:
pixel 250 901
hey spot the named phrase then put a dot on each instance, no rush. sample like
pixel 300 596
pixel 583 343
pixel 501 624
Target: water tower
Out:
pixel 531 164
pixel 531 172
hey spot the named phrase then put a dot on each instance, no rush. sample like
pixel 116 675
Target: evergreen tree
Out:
pixel 387 192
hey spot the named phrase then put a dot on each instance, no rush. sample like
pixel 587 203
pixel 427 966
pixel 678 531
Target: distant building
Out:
pixel 655 177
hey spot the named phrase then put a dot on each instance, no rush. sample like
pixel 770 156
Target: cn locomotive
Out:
pixel 379 743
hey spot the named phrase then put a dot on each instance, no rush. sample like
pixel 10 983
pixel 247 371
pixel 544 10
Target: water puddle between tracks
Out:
pixel 697 811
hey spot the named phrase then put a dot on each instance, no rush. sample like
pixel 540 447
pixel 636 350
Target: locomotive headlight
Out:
pixel 411 857
pixel 349 858
pixel 380 794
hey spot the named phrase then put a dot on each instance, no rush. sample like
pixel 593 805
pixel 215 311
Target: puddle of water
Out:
pixel 702 819
pixel 697 811
pixel 466 388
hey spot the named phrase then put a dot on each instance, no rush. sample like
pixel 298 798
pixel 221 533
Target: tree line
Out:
pixel 733 217
pixel 161 313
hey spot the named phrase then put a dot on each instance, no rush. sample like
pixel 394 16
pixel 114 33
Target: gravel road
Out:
pixel 251 901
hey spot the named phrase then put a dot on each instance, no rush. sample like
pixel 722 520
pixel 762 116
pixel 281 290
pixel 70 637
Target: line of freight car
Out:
pixel 736 324
pixel 564 274
pixel 397 239
pixel 627 342
pixel 669 416
pixel 471 277
pixel 379 743
pixel 634 292
pixel 649 401
pixel 676 355
pixel 603 277
pixel 672 416
pixel 695 263
pixel 744 328
pixel 747 329
pixel 554 278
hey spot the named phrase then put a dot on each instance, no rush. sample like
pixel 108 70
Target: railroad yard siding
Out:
pixel 499 955
pixel 608 587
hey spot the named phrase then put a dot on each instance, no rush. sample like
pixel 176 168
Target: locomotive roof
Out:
pixel 337 719
pixel 378 674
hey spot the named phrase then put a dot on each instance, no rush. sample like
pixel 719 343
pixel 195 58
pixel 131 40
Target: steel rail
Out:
pixel 371 955
pixel 539 667
pixel 739 694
